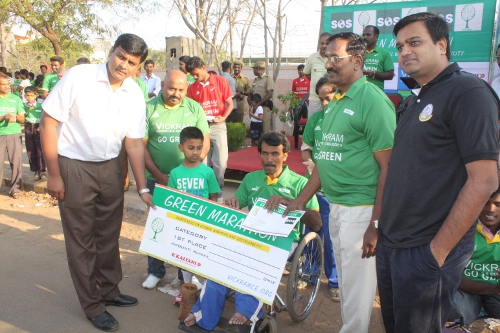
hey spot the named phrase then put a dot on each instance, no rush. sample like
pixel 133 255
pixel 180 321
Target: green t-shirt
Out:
pixel 199 181
pixel 49 81
pixel 13 105
pixel 312 135
pixel 33 114
pixel 163 127
pixel 143 87
pixel 354 127
pixel 379 60
pixel 16 85
pixel 485 260
pixel 254 186
pixel 190 79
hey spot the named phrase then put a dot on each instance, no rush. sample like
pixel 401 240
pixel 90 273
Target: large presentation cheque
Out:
pixel 206 238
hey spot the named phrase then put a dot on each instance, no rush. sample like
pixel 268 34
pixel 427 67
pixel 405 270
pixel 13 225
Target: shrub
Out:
pixel 236 133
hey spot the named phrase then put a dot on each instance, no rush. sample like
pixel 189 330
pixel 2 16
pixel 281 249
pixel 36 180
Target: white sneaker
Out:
pixel 150 282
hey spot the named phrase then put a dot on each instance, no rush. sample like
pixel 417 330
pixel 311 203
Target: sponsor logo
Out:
pixel 426 113
pixel 186 260
pixel 341 22
pixel 157 226
pixel 284 190
pixel 349 112
pixel 318 128
pixel 155 115
pixel 469 17
pixel 362 19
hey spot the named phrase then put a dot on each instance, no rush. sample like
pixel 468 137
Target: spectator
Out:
pixel 479 287
pixel 32 133
pixel 242 90
pixel 311 144
pixel 446 142
pixel 31 77
pixel 11 118
pixel 25 82
pixel 43 69
pixel 315 69
pixel 268 184
pixel 83 61
pixel 84 122
pixel 61 72
pixel 215 97
pixel 166 116
pixel 17 82
pixel 50 80
pixel 264 86
pixel 182 67
pixel 358 132
pixel 256 114
pixel 153 82
pixel 300 86
pixel 378 63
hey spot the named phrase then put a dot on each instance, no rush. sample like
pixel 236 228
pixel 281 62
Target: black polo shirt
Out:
pixel 454 121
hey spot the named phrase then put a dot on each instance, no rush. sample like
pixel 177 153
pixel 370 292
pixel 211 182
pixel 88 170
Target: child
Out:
pixel 256 114
pixel 32 133
pixel 192 176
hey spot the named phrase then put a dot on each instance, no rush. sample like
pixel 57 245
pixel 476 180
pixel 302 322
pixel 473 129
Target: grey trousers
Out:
pixel 220 154
pixel 91 216
pixel 13 143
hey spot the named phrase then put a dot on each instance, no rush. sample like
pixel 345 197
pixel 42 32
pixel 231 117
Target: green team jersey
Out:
pixel 13 105
pixel 289 184
pixel 355 125
pixel 49 81
pixel 312 134
pixel 379 60
pixel 190 79
pixel 485 260
pixel 163 127
pixel 143 87
pixel 33 113
pixel 16 85
pixel 199 181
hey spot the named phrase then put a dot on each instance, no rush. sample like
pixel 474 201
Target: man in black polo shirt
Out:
pixel 442 171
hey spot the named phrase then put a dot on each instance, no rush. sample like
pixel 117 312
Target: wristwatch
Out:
pixel 144 190
pixel 374 223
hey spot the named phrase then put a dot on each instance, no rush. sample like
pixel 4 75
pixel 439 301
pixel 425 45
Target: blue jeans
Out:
pixel 155 267
pixel 324 233
pixel 416 295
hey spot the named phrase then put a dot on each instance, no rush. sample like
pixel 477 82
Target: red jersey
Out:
pixel 212 95
pixel 300 87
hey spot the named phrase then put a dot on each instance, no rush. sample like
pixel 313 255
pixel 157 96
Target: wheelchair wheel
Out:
pixel 305 277
pixel 266 325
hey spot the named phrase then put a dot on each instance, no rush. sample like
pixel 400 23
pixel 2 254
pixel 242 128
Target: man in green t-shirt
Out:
pixel 277 183
pixel 182 67
pixel 11 118
pixel 357 139
pixel 479 286
pixel 378 62
pixel 166 116
pixel 50 80
pixel 17 81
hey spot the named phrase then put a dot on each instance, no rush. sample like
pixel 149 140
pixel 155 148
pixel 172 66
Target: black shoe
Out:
pixel 123 300
pixel 105 322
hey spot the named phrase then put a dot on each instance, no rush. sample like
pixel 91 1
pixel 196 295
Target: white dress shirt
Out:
pixel 93 118
pixel 153 84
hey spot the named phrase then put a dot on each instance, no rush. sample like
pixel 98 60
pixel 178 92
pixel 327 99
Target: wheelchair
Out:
pixel 305 270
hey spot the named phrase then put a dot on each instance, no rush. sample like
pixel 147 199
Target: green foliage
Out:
pixel 236 134
pixel 159 57
pixel 290 102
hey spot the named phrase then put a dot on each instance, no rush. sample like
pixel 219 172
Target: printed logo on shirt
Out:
pixel 318 128
pixel 426 113
pixel 155 115
pixel 349 112
pixel 212 89
pixel 284 190
pixel 187 114
pixel 256 188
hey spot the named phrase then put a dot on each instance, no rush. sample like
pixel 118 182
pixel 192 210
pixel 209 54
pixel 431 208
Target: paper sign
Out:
pixel 207 239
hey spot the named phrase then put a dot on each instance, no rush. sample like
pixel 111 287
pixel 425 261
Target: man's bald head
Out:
pixel 174 88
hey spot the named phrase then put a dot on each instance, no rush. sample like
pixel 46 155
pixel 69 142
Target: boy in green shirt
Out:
pixel 192 176
pixel 32 133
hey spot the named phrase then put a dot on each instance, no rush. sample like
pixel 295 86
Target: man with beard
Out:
pixel 378 62
pixel 166 116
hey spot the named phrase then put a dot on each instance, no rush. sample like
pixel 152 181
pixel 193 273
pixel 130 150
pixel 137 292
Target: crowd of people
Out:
pixel 412 207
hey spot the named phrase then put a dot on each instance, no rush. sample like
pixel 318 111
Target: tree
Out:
pixel 65 21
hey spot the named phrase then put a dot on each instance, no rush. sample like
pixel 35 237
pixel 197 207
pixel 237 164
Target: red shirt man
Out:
pixel 301 85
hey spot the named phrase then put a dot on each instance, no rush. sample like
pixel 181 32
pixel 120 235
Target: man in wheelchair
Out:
pixel 479 288
pixel 277 183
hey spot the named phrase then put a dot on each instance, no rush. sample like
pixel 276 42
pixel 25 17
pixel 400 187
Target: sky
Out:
pixel 303 23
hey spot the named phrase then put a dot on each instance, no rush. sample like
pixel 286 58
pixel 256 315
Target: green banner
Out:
pixel 470 22
pixel 214 214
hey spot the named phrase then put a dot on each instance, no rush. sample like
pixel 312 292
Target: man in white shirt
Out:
pixel 153 82
pixel 24 74
pixel 81 139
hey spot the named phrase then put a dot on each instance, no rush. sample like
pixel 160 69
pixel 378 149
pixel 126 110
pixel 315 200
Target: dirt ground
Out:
pixel 37 294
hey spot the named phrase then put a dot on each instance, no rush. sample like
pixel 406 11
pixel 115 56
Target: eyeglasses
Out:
pixel 335 59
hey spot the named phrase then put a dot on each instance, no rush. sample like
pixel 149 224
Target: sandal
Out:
pixel 334 294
